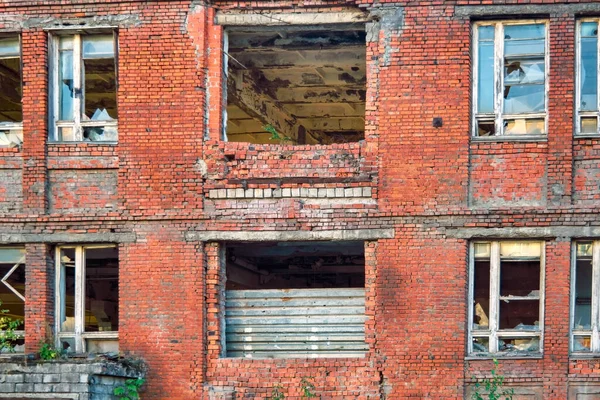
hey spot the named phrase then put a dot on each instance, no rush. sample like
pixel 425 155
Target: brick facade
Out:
pixel 436 187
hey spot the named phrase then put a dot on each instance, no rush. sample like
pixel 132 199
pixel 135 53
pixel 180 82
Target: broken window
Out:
pixel 11 108
pixel 587 77
pixel 84 88
pixel 12 289
pixel 585 303
pixel 510 78
pixel 295 85
pixel 295 299
pixel 507 297
pixel 87 306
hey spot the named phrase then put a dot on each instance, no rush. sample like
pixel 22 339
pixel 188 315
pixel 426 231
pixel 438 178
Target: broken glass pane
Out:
pixel 583 288
pixel 67 345
pixel 481 345
pixel 486 128
pixel 67 318
pixel 485 74
pixel 524 71
pixel 100 133
pixel 481 289
pixel 11 137
pixel 525 344
pixel 589 74
pixel 67 86
pixel 582 343
pixel 100 89
pixel 589 125
pixel 524 127
pixel 520 99
pixel 519 314
pixel 101 290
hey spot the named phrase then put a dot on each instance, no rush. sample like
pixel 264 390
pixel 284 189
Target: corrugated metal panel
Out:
pixel 295 323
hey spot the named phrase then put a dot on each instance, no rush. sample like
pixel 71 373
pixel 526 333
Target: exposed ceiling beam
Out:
pixel 246 93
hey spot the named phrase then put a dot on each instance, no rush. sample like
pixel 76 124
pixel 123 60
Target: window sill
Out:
pixel 584 356
pixel 87 143
pixel 587 136
pixel 524 138
pixel 292 358
pixel 500 356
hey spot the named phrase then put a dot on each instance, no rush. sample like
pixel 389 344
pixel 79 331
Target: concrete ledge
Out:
pixel 19 21
pixel 525 233
pixel 16 238
pixel 305 18
pixel 525 9
pixel 284 236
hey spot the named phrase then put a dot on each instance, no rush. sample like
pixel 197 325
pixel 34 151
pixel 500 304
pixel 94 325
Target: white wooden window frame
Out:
pixel 494 333
pixel 78 82
pixel 578 112
pixel 15 127
pixel 594 332
pixel 78 335
pixel 498 116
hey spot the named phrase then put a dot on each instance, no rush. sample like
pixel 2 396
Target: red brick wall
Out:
pixel 161 309
pixel 39 295
pixel 82 191
pixel 508 174
pixel 586 174
pixel 424 181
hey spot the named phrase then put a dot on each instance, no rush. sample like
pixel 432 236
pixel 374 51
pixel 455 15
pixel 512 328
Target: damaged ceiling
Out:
pixel 296 86
pixel 295 265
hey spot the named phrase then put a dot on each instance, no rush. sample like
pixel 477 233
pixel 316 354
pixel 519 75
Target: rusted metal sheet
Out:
pixel 295 323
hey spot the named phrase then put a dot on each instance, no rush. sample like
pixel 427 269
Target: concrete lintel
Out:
pixel 288 236
pixel 526 9
pixel 524 232
pixel 304 18
pixel 19 238
pixel 16 21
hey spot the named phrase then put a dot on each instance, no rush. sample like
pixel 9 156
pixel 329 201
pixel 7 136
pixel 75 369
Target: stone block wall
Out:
pixel 72 380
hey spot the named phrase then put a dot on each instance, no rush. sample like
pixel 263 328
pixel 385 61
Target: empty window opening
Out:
pixel 84 88
pixel 12 292
pixel 507 297
pixel 88 298
pixel 295 86
pixel 11 109
pixel 295 299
